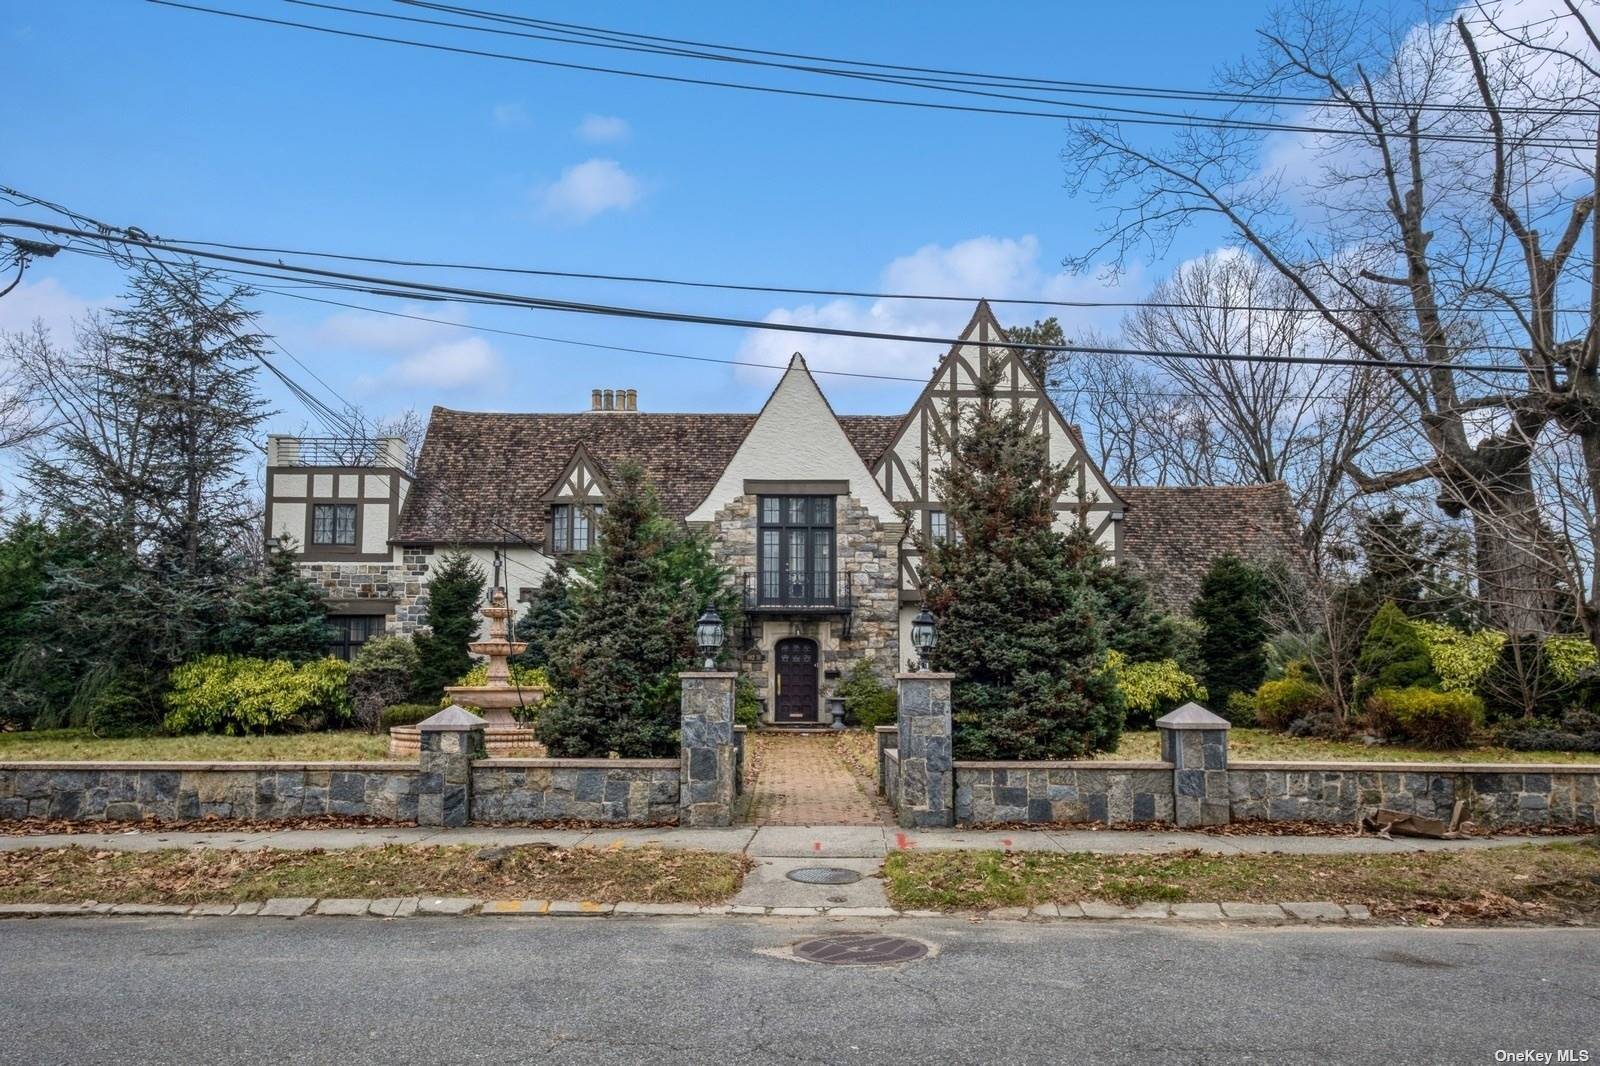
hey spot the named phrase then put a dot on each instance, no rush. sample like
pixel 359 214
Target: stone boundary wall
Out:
pixel 92 791
pixel 889 774
pixel 1078 791
pixel 1497 794
pixel 591 790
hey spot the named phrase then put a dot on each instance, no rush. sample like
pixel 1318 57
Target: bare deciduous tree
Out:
pixel 1455 177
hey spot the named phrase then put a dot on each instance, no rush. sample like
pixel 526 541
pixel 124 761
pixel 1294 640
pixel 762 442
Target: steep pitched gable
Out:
pixel 580 479
pixel 796 437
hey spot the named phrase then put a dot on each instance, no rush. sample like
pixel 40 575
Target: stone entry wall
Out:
pixel 169 791
pixel 997 792
pixel 591 790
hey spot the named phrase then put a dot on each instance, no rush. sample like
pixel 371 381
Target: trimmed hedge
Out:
pixel 1424 717
pixel 405 714
pixel 236 695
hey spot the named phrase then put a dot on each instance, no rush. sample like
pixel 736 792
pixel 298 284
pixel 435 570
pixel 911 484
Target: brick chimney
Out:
pixel 613 400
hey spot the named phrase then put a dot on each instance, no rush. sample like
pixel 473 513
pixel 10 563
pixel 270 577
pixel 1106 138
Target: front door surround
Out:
pixel 796 680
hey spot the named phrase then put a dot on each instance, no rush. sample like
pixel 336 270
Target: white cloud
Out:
pixel 386 333
pixel 993 267
pixel 47 301
pixel 589 189
pixel 465 363
pixel 511 114
pixel 604 129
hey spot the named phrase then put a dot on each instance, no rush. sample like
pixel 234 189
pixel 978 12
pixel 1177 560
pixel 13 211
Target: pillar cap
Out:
pixel 1192 716
pixel 924 675
pixel 453 719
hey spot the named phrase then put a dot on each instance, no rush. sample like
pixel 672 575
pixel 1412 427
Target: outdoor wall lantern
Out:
pixel 924 635
pixel 708 635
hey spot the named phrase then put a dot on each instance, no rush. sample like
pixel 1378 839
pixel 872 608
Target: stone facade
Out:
pixel 267 791
pixel 926 780
pixel 590 790
pixel 1042 792
pixel 708 760
pixel 1496 795
pixel 867 551
pixel 398 588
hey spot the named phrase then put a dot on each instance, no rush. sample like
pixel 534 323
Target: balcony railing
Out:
pixel 767 594
pixel 336 451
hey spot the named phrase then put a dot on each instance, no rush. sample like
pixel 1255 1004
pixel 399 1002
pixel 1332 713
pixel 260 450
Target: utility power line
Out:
pixel 969 77
pixel 425 290
pixel 789 290
pixel 1175 121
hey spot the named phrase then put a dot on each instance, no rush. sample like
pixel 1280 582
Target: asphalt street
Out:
pixel 724 991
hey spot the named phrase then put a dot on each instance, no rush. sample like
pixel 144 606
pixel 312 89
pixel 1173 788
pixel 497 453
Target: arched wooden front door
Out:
pixel 796 680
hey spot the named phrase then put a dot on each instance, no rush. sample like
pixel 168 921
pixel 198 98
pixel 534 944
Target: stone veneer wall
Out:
pixel 591 790
pixel 868 549
pixel 1496 794
pixel 125 790
pixel 1004 792
pixel 403 586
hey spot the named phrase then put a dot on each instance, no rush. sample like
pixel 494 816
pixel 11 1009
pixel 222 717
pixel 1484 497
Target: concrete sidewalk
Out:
pixel 830 841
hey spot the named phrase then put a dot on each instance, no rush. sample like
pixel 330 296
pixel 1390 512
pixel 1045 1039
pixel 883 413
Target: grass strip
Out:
pixel 69 745
pixel 1533 881
pixel 609 875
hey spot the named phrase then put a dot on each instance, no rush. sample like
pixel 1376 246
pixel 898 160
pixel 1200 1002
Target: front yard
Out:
pixel 642 875
pixel 1541 882
pixel 1264 745
pixel 66 745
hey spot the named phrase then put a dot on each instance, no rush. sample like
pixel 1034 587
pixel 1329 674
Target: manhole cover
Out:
pixel 860 949
pixel 824 875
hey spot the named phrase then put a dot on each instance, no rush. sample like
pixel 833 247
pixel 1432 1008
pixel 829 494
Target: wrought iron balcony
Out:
pixel 770 594
pixel 335 451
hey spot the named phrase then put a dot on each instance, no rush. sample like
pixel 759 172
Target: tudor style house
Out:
pixel 812 512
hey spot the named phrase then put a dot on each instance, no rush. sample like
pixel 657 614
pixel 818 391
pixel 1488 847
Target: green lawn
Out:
pixel 73 744
pixel 1263 745
pixel 1530 881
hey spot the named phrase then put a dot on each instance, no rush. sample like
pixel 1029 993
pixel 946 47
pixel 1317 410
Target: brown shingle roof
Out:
pixel 1174 533
pixel 481 478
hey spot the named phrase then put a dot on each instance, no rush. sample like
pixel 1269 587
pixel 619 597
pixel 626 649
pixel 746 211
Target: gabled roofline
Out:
pixel 580 454
pixel 983 315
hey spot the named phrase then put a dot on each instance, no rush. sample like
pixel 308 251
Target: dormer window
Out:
pixel 572 527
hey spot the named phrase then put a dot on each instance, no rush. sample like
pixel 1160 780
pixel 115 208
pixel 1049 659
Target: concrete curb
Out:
pixel 1295 913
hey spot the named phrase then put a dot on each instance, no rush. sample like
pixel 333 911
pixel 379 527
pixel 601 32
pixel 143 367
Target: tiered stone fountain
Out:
pixel 500 703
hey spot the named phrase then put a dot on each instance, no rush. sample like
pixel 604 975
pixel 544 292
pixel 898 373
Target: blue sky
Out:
pixel 192 126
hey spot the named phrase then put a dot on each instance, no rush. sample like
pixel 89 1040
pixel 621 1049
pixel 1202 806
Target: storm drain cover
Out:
pixel 824 875
pixel 860 949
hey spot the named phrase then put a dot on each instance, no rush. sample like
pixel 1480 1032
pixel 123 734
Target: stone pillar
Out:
pixel 927 770
pixel 706 753
pixel 1195 742
pixel 451 740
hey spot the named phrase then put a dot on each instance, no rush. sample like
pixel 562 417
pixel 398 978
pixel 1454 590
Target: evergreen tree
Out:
pixel 1392 654
pixel 1231 610
pixel 277 614
pixel 453 596
pixel 1020 620
pixel 1135 625
pixel 629 630
pixel 1416 565
pixel 545 616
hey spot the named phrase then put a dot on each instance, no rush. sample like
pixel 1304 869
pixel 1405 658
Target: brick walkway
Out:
pixel 803 780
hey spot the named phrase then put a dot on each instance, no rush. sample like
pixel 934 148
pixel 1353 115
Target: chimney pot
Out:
pixel 594 400
pixel 606 400
pixel 633 399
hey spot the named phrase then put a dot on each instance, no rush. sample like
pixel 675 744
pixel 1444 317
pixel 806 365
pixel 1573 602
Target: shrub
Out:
pixel 1459 659
pixel 405 714
pixel 1577 730
pixel 1393 654
pixel 1240 710
pixel 868 702
pixel 1279 704
pixel 1151 689
pixel 1571 659
pixel 1231 609
pixel 237 695
pixel 380 675
pixel 1323 725
pixel 746 704
pixel 1425 717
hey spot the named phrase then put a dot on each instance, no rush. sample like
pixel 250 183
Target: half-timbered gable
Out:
pixel 909 469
